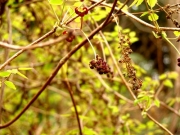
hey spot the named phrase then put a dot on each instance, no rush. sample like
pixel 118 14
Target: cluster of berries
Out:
pixel 101 66
pixel 70 37
pixel 81 11
pixel 131 73
pixel 170 13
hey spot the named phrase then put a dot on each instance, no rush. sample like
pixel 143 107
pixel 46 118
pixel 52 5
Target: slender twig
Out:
pixel 39 45
pixel 170 108
pixel 74 104
pixel 159 124
pixel 159 90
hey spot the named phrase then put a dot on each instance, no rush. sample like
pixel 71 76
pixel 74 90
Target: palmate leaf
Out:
pixel 10 85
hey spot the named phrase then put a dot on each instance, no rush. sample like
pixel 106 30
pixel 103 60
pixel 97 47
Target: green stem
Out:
pixel 89 43
pixel 172 45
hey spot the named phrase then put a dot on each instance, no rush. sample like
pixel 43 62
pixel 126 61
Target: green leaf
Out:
pixel 168 83
pixel 4 74
pixel 163 76
pixel 136 101
pixel 56 2
pixel 157 103
pixel 10 85
pixel 137 3
pixel 145 13
pixel 151 3
pixel 25 68
pixel 13 71
pixel 173 75
pixel 20 74
pixel 153 17
pixel 176 33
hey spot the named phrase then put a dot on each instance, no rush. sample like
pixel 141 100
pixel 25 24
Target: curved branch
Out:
pixel 39 45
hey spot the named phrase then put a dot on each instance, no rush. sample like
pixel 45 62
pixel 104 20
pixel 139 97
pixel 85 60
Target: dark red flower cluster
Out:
pixel 178 60
pixel 101 66
pixel 81 11
pixel 70 37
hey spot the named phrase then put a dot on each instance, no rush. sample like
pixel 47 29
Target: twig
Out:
pixel 74 104
pixel 159 124
pixel 39 45
pixel 170 108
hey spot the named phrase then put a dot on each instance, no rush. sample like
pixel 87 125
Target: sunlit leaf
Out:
pixel 4 74
pixel 145 13
pixel 151 3
pixel 20 74
pixel 176 33
pixel 56 2
pixel 163 76
pixel 168 83
pixel 137 3
pixel 173 75
pixel 13 71
pixel 136 101
pixel 25 68
pixel 153 17
pixel 10 85
pixel 157 102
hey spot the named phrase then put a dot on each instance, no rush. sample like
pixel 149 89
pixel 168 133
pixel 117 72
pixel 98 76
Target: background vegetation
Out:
pixel 47 51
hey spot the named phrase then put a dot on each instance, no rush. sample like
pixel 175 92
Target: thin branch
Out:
pixel 170 108
pixel 159 90
pixel 74 104
pixel 39 45
pixel 159 124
